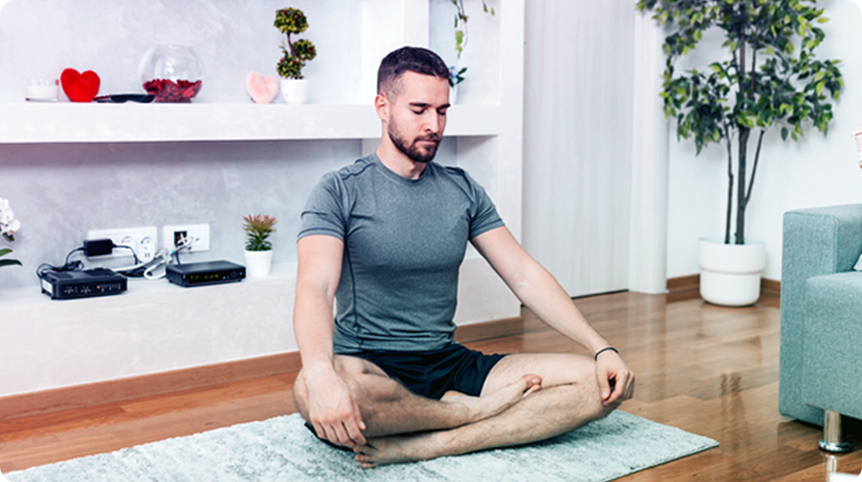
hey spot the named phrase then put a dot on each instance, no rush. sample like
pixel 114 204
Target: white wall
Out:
pixel 815 171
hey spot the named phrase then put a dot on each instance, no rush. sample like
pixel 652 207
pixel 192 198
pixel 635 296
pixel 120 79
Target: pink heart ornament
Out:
pixel 261 89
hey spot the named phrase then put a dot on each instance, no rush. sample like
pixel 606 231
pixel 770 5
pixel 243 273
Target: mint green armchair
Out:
pixel 821 319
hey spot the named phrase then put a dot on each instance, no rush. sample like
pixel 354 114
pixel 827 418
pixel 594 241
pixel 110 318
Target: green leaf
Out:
pixel 819 87
pixel 822 20
pixel 10 262
pixel 784 133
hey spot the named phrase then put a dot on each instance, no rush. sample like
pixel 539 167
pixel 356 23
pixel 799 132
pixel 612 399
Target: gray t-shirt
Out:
pixel 404 243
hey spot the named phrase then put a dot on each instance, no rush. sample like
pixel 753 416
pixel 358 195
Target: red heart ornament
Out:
pixel 80 87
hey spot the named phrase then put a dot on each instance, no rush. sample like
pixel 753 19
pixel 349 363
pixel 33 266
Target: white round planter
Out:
pixel 730 273
pixel 295 91
pixel 258 263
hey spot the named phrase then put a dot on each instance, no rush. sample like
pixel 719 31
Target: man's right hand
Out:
pixel 332 410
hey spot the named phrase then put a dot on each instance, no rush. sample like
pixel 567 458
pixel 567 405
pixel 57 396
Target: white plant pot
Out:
pixel 295 91
pixel 258 263
pixel 730 273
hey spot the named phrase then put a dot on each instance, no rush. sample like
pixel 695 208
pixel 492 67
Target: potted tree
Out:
pixel 295 88
pixel 766 76
pixel 258 248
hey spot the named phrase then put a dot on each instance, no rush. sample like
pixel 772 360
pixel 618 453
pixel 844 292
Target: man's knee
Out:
pixel 603 410
pixel 347 368
pixel 596 407
pixel 300 394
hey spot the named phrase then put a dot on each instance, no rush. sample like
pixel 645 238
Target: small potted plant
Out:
pixel 258 248
pixel 295 88
pixel 8 226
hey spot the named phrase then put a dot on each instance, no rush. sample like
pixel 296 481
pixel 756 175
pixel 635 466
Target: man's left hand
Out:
pixel 616 380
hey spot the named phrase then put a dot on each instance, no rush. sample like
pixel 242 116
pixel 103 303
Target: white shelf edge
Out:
pixel 65 122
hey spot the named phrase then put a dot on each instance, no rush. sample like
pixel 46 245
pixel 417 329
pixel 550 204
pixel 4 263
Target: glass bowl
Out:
pixel 172 73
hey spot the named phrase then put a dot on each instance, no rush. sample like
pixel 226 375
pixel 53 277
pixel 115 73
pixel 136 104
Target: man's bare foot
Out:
pixel 428 445
pixel 398 449
pixel 480 408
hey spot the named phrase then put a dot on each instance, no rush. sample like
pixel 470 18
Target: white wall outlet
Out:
pixel 197 236
pixel 142 240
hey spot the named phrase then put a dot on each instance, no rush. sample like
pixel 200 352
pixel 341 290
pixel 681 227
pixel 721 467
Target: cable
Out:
pixel 77 265
pixel 163 258
pixel 140 269
pixel 71 253
pixel 182 243
pixel 137 261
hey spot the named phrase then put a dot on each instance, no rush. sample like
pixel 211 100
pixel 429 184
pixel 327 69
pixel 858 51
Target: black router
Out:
pixel 67 285
pixel 205 273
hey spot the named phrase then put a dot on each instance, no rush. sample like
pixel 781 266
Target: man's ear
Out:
pixel 381 105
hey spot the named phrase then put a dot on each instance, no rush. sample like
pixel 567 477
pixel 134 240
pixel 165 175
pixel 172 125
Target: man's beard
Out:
pixel 413 152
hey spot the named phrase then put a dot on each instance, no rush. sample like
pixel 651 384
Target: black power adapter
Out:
pixel 98 247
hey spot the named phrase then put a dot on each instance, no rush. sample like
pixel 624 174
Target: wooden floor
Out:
pixel 709 370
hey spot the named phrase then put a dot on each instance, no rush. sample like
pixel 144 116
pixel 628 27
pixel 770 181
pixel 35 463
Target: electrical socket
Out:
pixel 197 234
pixel 142 240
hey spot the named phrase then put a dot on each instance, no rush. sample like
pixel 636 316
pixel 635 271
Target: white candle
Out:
pixel 40 89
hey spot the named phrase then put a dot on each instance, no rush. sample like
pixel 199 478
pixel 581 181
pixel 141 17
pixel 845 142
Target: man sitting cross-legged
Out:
pixel 385 238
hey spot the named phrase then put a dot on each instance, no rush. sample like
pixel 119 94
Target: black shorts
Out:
pixel 433 373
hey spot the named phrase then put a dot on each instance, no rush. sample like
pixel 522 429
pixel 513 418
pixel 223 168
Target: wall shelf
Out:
pixel 64 122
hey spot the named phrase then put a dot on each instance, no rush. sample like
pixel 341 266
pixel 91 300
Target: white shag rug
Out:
pixel 282 449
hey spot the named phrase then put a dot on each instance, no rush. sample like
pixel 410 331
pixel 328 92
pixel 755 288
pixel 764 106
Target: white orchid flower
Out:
pixel 8 224
pixel 6 213
pixel 13 226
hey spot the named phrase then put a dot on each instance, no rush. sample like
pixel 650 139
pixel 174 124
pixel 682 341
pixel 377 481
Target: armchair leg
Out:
pixel 832 437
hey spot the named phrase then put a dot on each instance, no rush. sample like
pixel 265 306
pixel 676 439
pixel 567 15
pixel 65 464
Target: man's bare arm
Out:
pixel 540 292
pixel 332 410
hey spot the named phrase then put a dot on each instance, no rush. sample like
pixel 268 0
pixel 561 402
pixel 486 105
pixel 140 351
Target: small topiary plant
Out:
pixel 296 53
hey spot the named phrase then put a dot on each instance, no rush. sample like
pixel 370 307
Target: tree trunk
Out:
pixel 740 180
pixel 729 213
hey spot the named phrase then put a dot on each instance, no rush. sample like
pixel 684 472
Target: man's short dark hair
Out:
pixel 413 59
